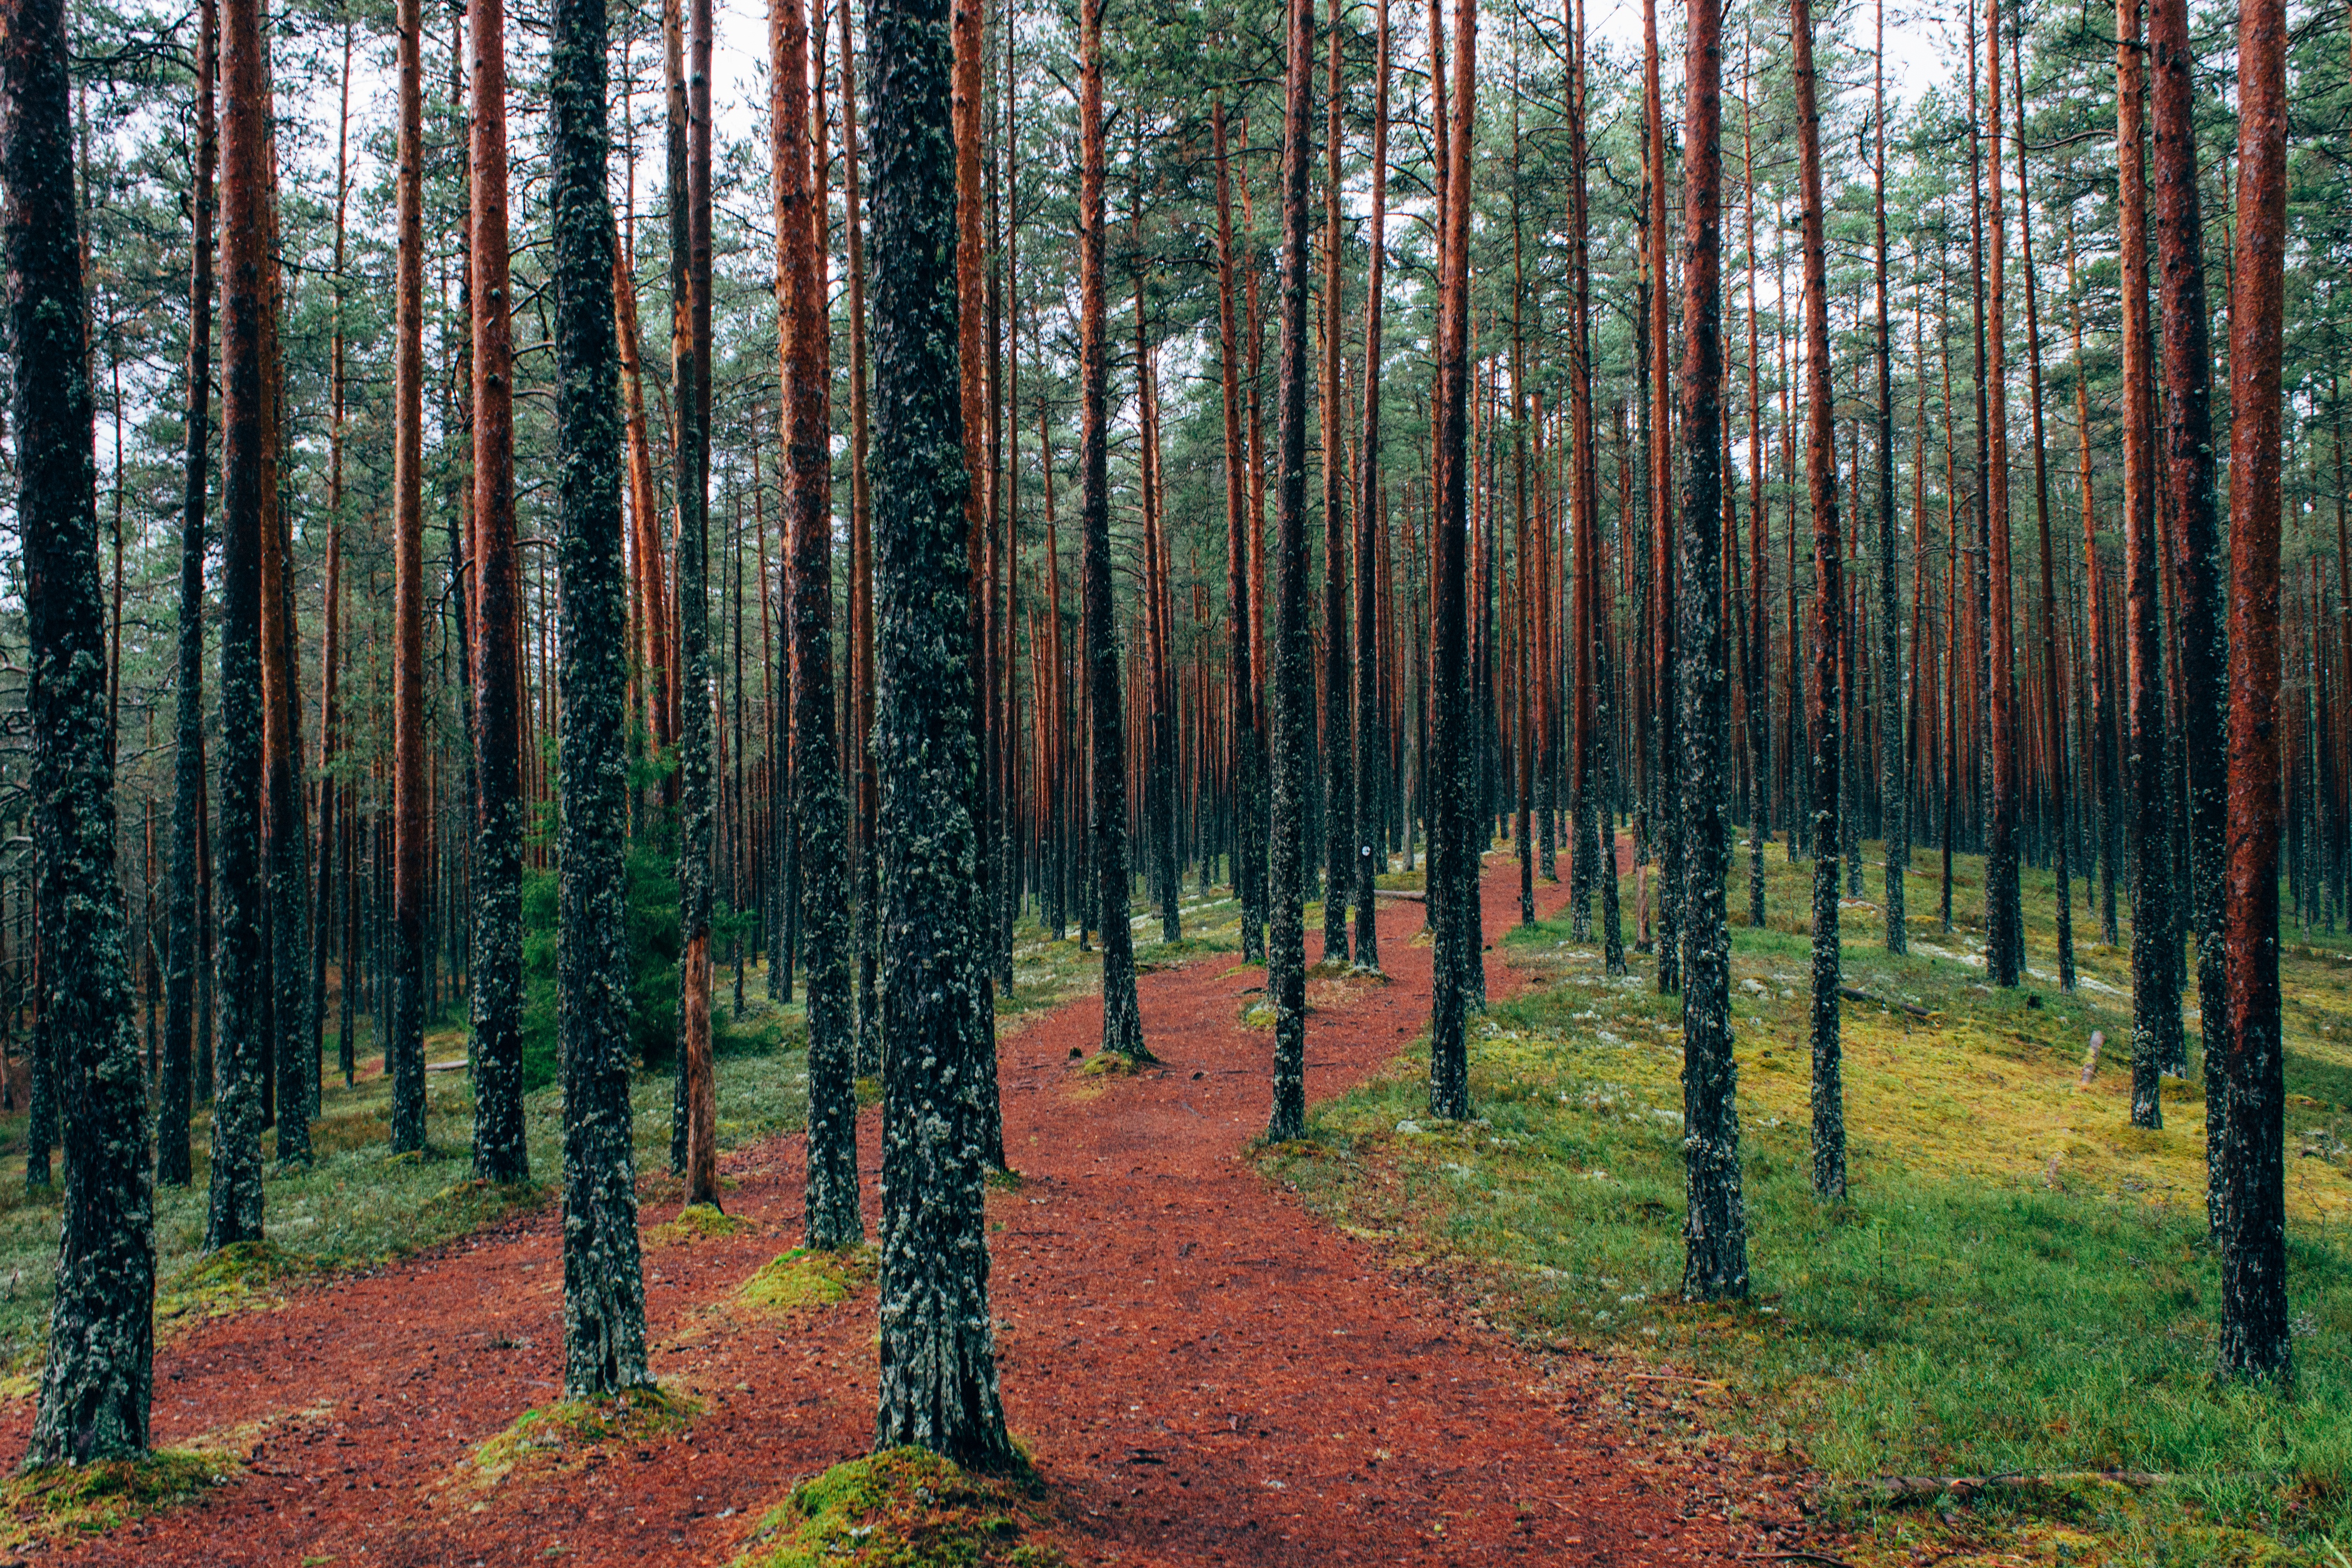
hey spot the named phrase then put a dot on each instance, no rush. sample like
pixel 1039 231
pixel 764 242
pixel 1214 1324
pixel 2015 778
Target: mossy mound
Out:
pixel 696 1222
pixel 802 1279
pixel 80 1501
pixel 227 1279
pixel 902 1507
pixel 1118 1063
pixel 564 1435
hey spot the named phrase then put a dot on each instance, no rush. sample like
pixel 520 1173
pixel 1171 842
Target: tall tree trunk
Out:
pixel 1122 1017
pixel 1454 765
pixel 1338 744
pixel 1714 1224
pixel 330 788
pixel 2190 520
pixel 2004 914
pixel 1895 827
pixel 693 1110
pixel 1247 786
pixel 938 1382
pixel 1672 828
pixel 1827 632
pixel 866 936
pixel 234 1209
pixel 412 806
pixel 100 1373
pixel 174 1164
pixel 603 1281
pixel 1293 738
pixel 2156 978
pixel 833 1215
pixel 2256 1340
pixel 1372 744
pixel 500 1153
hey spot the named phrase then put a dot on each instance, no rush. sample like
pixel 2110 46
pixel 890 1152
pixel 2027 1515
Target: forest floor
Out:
pixel 1202 1370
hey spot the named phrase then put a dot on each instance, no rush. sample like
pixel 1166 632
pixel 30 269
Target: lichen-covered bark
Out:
pixel 937 1363
pixel 2190 522
pixel 499 1155
pixel 173 1163
pixel 603 1282
pixel 1122 1016
pixel 1453 763
pixel 1828 631
pixel 2004 915
pixel 1247 787
pixel 95 1383
pixel 1291 740
pixel 1715 1223
pixel 2256 1338
pixel 831 1207
pixel 234 1212
pixel 2155 977
pixel 1338 729
pixel 1893 802
pixel 1372 741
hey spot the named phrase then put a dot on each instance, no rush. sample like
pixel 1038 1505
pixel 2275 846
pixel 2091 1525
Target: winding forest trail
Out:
pixel 1204 1372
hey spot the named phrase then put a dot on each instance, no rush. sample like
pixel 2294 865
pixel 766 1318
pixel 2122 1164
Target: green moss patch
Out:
pixel 903 1508
pixel 696 1222
pixel 75 1501
pixel 802 1279
pixel 229 1279
pixel 1117 1064
pixel 564 1436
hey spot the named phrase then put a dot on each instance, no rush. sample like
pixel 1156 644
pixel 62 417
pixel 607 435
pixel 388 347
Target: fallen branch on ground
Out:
pixel 1956 1485
pixel 1851 995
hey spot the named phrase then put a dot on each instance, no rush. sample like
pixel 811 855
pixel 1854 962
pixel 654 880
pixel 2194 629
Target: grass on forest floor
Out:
pixel 2020 1281
pixel 899 1506
pixel 567 1434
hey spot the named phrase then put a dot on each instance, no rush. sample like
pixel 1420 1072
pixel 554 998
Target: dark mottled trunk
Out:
pixel 411 807
pixel 2256 1340
pixel 97 1381
pixel 831 1207
pixel 2190 522
pixel 1371 740
pixel 1714 1224
pixel 2004 914
pixel 2155 977
pixel 174 1164
pixel 866 934
pixel 938 1365
pixel 1122 1016
pixel 1454 760
pixel 1338 739
pixel 1893 789
pixel 603 1282
pixel 1292 741
pixel 1827 631
pixel 499 1155
pixel 1669 828
pixel 233 1211
pixel 1248 787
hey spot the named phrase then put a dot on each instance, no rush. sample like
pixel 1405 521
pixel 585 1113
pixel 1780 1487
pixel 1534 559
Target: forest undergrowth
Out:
pixel 2022 1287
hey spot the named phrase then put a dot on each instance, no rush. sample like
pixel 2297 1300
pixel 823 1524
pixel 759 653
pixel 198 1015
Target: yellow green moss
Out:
pixel 696 1222
pixel 77 1501
pixel 802 1279
pixel 902 1507
pixel 563 1437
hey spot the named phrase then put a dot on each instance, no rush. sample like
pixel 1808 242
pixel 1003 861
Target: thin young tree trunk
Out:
pixel 1671 829
pixel 1827 631
pixel 412 806
pixel 938 1381
pixel 834 1218
pixel 2189 519
pixel 604 1280
pixel 1895 824
pixel 2256 1338
pixel 1372 744
pixel 2156 978
pixel 1293 739
pixel 500 1153
pixel 100 1373
pixel 1248 788
pixel 1122 1017
pixel 174 1163
pixel 1714 1226
pixel 2054 685
pixel 2100 779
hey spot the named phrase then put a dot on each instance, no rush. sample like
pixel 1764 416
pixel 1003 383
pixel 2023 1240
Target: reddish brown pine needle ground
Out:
pixel 1204 1372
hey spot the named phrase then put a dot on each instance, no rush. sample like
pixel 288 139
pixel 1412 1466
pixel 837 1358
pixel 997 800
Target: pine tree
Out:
pixel 99 1374
pixel 411 803
pixel 938 1382
pixel 499 1155
pixel 604 1281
